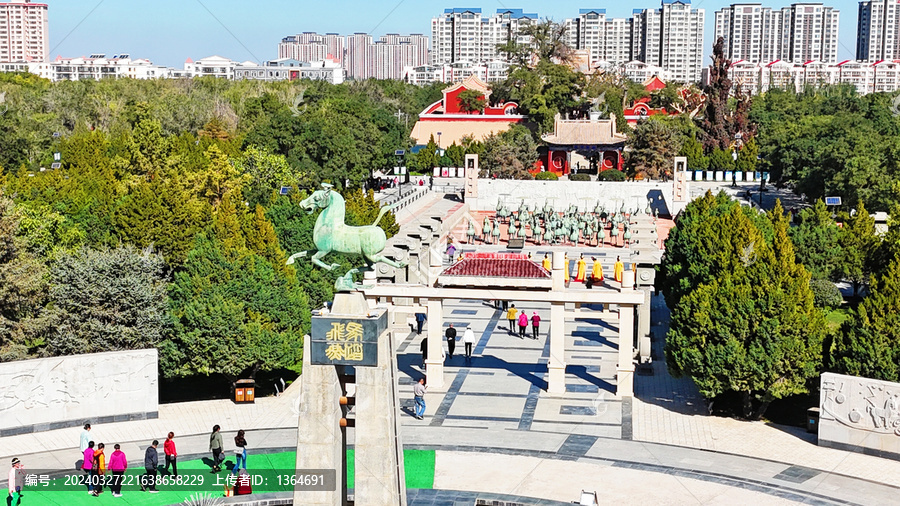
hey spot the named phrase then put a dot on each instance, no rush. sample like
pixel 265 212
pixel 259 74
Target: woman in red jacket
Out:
pixel 171 454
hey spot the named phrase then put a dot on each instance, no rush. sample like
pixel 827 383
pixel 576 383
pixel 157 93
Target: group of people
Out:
pixel 522 319
pixel 95 464
pixel 581 276
pixel 468 340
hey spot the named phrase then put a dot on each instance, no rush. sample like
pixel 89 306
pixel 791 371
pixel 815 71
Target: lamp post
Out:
pixel 399 154
pixel 439 140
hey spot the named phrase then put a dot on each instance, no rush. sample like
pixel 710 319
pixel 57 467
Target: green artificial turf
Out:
pixel 419 465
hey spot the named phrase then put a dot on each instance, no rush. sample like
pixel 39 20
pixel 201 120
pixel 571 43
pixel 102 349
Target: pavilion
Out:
pixel 583 145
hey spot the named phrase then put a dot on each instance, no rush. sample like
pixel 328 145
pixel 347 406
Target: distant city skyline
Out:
pixel 168 32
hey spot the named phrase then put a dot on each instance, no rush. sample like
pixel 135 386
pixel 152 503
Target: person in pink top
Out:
pixel 523 324
pixel 535 324
pixel 118 463
pixel 87 465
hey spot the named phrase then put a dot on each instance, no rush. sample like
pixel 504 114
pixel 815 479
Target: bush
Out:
pixel 579 177
pixel 825 294
pixel 611 175
pixel 546 176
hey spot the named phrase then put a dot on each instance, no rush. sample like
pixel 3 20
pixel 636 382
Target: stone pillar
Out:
pixel 380 478
pixel 556 377
pixel 643 326
pixel 319 440
pixel 625 367
pixel 434 366
pixel 435 263
pixel 557 270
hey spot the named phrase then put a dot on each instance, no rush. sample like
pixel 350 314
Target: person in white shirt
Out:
pixel 85 437
pixel 16 482
pixel 419 396
pixel 469 341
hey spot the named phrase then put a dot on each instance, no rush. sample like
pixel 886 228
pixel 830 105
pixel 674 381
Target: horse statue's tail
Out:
pixel 381 213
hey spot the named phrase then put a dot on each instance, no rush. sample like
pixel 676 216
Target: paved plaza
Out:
pixel 498 435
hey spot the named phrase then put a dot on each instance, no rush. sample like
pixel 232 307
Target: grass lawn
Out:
pixel 419 465
pixel 835 318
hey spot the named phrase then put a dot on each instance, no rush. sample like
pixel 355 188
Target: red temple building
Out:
pixel 448 123
pixel 587 146
pixel 640 108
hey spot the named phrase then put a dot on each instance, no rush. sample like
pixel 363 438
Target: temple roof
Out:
pixel 496 269
pixel 584 132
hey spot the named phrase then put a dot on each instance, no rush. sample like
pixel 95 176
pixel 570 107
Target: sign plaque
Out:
pixel 346 340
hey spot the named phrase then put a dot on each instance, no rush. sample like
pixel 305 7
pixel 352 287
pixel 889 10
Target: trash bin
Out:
pixel 812 420
pixel 244 391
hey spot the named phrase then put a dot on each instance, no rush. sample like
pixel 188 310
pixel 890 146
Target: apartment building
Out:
pixel 464 34
pixel 812 32
pixel 95 67
pixel 753 77
pixel 878 31
pixel 605 39
pixel 670 37
pixel 285 69
pixel 24 32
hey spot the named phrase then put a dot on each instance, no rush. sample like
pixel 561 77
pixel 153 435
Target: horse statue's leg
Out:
pixel 381 258
pixel 295 256
pixel 317 259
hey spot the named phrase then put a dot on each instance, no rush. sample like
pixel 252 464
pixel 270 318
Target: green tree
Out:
pixel 859 245
pixel 653 147
pixel 748 157
pixel 817 242
pixel 107 300
pixel 234 313
pixel 868 344
pixel 693 150
pixel 457 155
pixel 720 159
pixel 752 329
pixel 509 155
pixel 471 101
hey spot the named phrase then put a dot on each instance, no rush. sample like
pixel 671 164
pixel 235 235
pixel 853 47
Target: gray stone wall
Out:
pixel 58 392
pixel 585 194
pixel 860 414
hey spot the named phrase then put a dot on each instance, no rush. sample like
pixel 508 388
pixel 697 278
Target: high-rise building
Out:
pixel 310 46
pixel 810 33
pixel 751 32
pixel 356 55
pixel 24 32
pixel 670 37
pixel 878 31
pixel 466 35
pixel 605 39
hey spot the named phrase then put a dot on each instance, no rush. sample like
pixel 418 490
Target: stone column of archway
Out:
pixel 625 367
pixel 556 368
pixel 434 365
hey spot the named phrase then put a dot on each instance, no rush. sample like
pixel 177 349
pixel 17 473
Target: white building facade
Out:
pixel 467 35
pixel 672 38
pixel 24 32
pixel 753 78
pixel 286 69
pixel 96 67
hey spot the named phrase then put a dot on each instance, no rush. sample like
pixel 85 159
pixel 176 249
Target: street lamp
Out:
pixel 399 154
pixel 439 140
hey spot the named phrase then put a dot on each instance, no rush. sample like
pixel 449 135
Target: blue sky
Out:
pixel 169 31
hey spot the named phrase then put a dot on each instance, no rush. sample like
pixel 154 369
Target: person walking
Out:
pixel 118 463
pixel 171 453
pixel 85 437
pixel 240 452
pixel 16 481
pixel 451 340
pixel 619 270
pixel 420 321
pixel 468 341
pixel 98 469
pixel 535 324
pixel 151 462
pixel 511 317
pixel 215 444
pixel 523 324
pixel 419 397
pixel 87 465
pixel 423 347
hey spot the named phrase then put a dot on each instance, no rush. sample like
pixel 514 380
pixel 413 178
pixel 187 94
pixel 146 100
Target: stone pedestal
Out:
pixel 380 478
pixel 320 443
